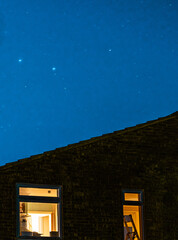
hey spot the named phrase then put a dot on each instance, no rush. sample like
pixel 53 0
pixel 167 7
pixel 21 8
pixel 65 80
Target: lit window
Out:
pixel 132 215
pixel 40 192
pixel 39 211
pixel 132 196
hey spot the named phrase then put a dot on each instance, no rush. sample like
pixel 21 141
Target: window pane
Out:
pixel 132 221
pixel 39 219
pixel 41 192
pixel 132 196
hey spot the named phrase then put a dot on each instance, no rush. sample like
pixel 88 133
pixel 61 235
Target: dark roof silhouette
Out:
pixel 91 140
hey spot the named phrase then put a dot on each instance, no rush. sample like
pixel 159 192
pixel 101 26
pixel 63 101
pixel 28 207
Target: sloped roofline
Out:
pixel 91 140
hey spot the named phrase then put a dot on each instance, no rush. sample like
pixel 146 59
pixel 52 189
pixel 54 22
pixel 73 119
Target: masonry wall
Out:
pixel 92 175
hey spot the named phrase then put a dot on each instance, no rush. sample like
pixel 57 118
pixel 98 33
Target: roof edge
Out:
pixel 91 140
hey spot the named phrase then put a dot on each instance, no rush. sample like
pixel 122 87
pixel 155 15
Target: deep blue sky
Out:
pixel 71 70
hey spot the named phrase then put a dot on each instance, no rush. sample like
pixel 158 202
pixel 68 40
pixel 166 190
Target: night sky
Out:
pixel 71 70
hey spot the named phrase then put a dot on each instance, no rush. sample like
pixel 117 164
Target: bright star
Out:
pixel 20 60
pixel 54 69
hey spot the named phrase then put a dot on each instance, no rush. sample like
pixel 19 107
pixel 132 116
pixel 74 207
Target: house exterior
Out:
pixel 117 186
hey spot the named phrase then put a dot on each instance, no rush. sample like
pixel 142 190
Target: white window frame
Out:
pixel 39 199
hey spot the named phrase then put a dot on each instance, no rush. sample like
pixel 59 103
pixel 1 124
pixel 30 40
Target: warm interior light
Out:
pixel 135 211
pixel 131 196
pixel 41 192
pixel 35 222
pixel 38 219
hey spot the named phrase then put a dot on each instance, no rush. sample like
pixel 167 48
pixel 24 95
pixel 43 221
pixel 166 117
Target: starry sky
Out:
pixel 75 69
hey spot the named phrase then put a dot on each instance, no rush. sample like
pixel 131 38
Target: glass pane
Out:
pixel 132 222
pixel 39 219
pixel 132 196
pixel 41 192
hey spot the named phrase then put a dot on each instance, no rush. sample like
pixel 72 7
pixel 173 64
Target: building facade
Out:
pixel 119 186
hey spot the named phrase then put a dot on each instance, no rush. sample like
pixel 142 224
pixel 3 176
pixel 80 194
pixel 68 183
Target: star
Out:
pixel 110 50
pixel 53 68
pixel 20 60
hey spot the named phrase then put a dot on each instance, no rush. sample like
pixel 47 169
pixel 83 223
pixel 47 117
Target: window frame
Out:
pixel 134 203
pixel 38 199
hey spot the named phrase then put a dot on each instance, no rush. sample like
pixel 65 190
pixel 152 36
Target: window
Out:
pixel 132 214
pixel 39 211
